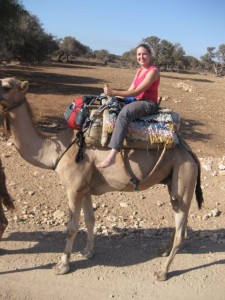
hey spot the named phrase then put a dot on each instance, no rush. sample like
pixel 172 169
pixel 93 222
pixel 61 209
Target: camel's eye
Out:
pixel 6 88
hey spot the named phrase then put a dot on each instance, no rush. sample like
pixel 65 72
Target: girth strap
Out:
pixel 80 143
pixel 133 179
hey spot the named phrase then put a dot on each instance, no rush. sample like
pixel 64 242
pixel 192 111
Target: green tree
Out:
pixel 10 14
pixel 22 36
pixel 104 56
pixel 221 54
pixel 207 60
pixel 192 62
pixel 129 58
pixel 33 45
pixel 69 47
pixel 214 60
pixel 179 57
pixel 11 11
pixel 165 55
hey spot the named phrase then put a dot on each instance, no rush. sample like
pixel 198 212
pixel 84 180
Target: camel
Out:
pixel 178 168
pixel 4 199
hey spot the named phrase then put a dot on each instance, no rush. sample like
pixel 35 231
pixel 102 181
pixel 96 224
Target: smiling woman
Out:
pixel 145 90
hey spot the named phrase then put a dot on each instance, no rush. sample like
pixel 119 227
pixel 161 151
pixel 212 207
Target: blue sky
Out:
pixel 120 25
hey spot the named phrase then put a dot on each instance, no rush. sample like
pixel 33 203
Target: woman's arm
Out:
pixel 150 78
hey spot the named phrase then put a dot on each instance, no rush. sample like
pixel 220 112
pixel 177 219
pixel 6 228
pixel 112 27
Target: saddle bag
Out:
pixel 77 113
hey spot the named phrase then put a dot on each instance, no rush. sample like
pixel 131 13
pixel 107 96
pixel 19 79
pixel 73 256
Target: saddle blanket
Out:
pixel 153 131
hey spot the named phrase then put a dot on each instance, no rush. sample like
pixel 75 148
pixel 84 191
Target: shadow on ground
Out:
pixel 41 82
pixel 119 249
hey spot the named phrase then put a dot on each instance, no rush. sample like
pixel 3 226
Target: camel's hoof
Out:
pixel 161 276
pixel 87 254
pixel 60 269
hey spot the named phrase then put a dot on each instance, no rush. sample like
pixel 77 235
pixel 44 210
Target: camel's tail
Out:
pixel 4 194
pixel 198 189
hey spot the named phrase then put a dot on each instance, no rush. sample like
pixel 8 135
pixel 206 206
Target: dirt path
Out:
pixel 130 227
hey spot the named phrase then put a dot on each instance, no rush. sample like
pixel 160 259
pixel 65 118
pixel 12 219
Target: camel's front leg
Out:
pixel 90 222
pixel 75 203
pixel 3 220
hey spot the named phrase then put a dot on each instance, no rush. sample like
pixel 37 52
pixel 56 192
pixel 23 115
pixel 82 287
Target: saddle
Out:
pixel 155 131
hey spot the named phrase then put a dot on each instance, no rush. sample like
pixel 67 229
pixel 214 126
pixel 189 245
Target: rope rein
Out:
pixel 79 140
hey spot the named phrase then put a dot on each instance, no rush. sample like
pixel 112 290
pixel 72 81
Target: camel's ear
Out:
pixel 24 86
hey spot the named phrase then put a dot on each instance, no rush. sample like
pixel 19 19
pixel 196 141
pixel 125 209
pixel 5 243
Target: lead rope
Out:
pixel 133 179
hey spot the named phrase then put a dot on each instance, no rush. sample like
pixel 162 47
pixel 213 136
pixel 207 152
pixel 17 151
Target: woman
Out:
pixel 145 89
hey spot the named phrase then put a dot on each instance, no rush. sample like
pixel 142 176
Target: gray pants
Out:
pixel 129 112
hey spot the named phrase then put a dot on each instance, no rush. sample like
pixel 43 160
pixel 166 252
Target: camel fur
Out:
pixel 178 168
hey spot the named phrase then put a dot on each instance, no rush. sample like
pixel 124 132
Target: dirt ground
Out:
pixel 130 227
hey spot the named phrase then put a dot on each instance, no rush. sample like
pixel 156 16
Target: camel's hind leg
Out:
pixel 182 190
pixel 167 249
pixel 62 266
pixel 179 237
pixel 89 219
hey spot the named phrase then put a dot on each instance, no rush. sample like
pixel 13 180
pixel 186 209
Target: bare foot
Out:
pixel 106 163
pixel 109 161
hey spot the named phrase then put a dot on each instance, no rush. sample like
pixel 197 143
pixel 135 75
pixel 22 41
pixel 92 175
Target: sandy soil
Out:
pixel 130 227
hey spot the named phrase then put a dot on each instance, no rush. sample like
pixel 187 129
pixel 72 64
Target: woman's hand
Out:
pixel 108 90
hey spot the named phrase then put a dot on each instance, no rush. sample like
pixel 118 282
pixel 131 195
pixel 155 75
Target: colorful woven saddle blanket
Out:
pixel 153 131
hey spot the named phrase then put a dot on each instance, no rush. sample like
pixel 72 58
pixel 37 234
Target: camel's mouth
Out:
pixel 3 101
pixel 5 87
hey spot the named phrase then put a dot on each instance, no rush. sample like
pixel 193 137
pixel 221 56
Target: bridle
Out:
pixel 7 108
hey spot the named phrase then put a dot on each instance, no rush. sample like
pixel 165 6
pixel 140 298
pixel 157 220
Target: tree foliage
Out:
pixel 34 45
pixel 70 47
pixel 23 37
pixel 221 54
pixel 103 55
pixel 214 60
pixel 10 13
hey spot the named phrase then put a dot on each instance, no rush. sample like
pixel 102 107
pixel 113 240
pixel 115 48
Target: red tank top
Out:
pixel 152 91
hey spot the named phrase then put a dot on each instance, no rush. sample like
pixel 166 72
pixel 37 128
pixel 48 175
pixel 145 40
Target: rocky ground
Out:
pixel 130 227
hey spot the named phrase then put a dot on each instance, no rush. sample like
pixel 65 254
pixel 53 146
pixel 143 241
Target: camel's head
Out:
pixel 12 92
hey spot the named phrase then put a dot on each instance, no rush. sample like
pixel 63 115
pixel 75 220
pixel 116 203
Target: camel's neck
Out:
pixel 35 148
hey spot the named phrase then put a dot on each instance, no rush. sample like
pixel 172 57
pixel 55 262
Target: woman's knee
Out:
pixel 124 114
